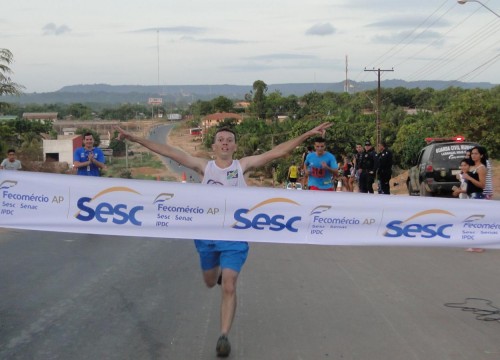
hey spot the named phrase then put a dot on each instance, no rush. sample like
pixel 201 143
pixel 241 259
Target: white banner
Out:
pixel 81 204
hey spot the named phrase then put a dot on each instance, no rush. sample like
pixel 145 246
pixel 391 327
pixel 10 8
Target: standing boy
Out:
pixel 11 163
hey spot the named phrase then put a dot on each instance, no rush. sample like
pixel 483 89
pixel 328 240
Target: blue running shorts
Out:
pixel 226 254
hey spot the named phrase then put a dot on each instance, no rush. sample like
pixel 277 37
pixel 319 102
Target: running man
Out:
pixel 222 261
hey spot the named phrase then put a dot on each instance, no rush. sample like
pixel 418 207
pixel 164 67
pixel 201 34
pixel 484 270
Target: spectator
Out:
pixel 461 191
pixel 357 161
pixel 476 178
pixel 384 168
pixel 88 160
pixel 367 169
pixel 347 171
pixel 488 189
pixel 11 163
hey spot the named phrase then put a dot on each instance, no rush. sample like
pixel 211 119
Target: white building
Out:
pixel 62 149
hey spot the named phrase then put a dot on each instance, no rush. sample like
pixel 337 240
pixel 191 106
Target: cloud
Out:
pixel 173 29
pixel 53 29
pixel 273 57
pixel 217 41
pixel 407 22
pixel 280 61
pixel 322 29
pixel 424 37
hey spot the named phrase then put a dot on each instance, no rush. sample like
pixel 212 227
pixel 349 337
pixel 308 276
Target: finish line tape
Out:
pixel 143 208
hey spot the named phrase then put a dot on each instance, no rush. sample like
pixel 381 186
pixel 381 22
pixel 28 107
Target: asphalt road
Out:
pixel 69 296
pixel 159 134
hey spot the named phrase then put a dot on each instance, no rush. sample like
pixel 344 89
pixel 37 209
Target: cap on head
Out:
pixel 368 143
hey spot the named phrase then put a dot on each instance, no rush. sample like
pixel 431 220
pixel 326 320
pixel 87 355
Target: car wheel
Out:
pixel 423 190
pixel 411 192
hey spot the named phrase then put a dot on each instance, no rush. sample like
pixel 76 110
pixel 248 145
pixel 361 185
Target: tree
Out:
pixel 259 99
pixel 80 111
pixel 411 138
pixel 222 104
pixel 7 86
pixel 474 114
pixel 31 145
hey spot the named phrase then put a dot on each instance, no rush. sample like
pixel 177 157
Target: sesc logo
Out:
pixel 7 184
pixel 118 214
pixel 262 221
pixel 398 228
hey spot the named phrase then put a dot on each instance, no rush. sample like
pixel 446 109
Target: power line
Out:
pixel 451 55
pixel 490 62
pixel 383 56
pixel 436 40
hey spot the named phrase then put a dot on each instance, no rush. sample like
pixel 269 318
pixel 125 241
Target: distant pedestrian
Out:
pixel 384 168
pixel 307 150
pixel 367 169
pixel 11 163
pixel 358 157
pixel 293 174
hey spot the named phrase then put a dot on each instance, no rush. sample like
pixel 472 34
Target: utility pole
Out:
pixel 378 102
pixel 346 84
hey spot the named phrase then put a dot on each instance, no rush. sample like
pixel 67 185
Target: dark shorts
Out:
pixel 292 180
pixel 476 195
pixel 226 254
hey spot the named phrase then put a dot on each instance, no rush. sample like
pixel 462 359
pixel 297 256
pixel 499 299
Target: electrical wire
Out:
pixel 386 54
pixel 488 64
pixel 457 25
pixel 471 42
pixel 442 62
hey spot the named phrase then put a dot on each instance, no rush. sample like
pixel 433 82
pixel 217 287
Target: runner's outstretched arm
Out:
pixel 183 158
pixel 282 149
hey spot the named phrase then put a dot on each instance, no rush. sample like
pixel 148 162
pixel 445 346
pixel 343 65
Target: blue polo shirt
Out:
pixel 82 155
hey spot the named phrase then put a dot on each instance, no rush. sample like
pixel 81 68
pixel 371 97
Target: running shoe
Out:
pixel 223 347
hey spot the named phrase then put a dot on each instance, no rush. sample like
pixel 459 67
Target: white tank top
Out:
pixel 230 176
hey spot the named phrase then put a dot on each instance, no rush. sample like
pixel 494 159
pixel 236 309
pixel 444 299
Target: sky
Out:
pixel 207 42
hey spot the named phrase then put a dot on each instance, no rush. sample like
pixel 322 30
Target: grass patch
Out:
pixel 118 168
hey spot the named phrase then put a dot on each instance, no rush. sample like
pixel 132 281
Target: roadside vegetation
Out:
pixel 407 118
pixel 129 167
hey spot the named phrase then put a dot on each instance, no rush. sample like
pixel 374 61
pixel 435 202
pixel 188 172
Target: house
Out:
pixel 69 131
pixel 61 149
pixel 174 117
pixel 7 118
pixel 43 117
pixel 217 118
pixel 241 105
